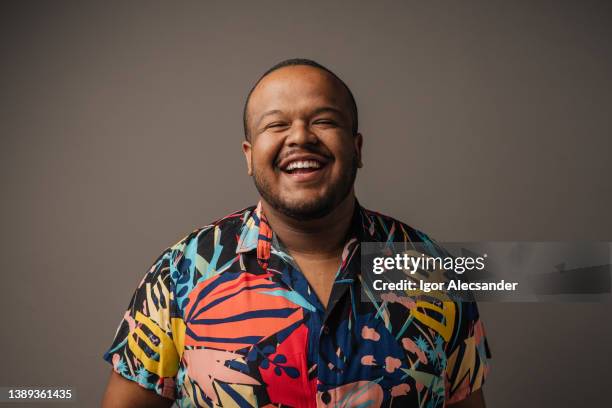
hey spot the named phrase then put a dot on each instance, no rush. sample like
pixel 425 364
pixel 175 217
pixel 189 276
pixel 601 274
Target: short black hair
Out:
pixel 301 61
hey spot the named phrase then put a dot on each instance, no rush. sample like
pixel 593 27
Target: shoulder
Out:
pixel 221 231
pixel 195 250
pixel 379 227
pixel 382 227
pixel 203 253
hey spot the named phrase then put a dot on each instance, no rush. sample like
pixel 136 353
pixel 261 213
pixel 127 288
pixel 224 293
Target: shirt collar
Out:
pixel 256 233
pixel 249 232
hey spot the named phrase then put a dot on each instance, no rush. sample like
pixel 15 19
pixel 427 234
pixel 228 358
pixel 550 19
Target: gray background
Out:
pixel 121 131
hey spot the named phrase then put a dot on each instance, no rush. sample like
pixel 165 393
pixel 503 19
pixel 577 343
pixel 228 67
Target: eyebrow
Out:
pixel 329 109
pixel 268 113
pixel 316 112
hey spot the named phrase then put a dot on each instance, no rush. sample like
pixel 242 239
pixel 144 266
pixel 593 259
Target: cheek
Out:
pixel 344 153
pixel 339 143
pixel 260 161
pixel 264 154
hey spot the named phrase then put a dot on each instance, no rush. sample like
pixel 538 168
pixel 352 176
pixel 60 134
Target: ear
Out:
pixel 247 150
pixel 358 144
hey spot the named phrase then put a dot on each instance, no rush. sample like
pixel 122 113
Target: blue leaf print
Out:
pixel 280 359
pixel 292 372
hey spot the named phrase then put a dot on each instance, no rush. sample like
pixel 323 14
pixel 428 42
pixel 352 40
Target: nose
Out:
pixel 300 134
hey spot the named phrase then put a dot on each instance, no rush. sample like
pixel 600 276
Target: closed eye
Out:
pixel 325 122
pixel 276 125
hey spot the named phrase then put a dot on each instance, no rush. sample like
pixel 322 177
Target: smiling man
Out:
pixel 262 307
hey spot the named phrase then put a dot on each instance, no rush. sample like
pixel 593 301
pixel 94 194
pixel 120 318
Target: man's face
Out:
pixel 302 154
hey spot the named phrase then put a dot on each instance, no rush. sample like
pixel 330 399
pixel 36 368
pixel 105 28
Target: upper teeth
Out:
pixel 305 164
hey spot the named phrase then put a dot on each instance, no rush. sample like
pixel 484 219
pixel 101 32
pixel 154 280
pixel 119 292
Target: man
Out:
pixel 262 309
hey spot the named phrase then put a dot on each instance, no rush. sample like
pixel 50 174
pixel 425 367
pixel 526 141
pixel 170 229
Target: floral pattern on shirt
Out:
pixel 225 318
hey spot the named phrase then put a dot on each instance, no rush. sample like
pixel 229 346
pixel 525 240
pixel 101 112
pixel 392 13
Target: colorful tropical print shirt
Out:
pixel 225 318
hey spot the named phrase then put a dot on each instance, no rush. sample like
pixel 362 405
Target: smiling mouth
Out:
pixel 307 169
pixel 303 166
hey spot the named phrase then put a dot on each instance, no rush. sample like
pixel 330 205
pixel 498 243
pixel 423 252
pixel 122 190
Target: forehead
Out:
pixel 296 88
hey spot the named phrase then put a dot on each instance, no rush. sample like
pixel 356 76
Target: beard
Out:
pixel 308 210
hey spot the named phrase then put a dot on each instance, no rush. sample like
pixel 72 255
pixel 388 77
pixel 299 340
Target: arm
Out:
pixel 474 400
pixel 123 393
pixel 143 353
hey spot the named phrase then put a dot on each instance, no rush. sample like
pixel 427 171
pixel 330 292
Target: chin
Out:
pixel 305 201
pixel 306 209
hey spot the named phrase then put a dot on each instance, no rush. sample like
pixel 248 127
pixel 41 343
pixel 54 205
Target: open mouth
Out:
pixel 303 167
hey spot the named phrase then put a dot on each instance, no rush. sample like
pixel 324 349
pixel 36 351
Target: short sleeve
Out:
pixel 468 354
pixel 147 345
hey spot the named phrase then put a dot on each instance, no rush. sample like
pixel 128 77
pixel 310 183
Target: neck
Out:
pixel 322 237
